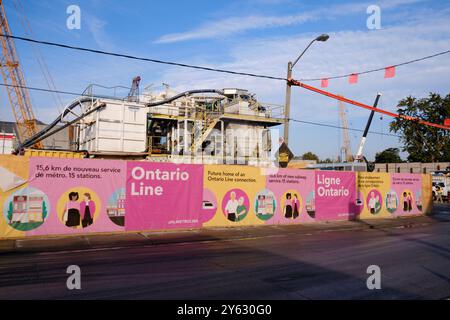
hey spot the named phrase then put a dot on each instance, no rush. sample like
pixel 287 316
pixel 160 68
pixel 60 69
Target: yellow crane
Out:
pixel 16 88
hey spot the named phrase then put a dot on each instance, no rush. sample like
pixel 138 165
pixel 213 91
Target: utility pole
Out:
pixel 287 107
pixel 287 110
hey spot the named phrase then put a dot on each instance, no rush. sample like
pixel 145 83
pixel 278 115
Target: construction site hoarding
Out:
pixel 335 195
pixel 55 196
pixel 387 195
pixel 163 195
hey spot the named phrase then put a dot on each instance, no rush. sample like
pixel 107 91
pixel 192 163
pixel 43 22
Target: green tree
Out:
pixel 10 212
pixel 310 156
pixel 424 143
pixel 390 155
pixel 327 160
pixel 44 210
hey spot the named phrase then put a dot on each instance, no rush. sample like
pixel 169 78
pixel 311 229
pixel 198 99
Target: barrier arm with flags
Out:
pixel 292 82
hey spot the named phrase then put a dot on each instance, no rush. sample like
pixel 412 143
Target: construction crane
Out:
pixel 133 95
pixel 28 31
pixel 15 84
pixel 345 152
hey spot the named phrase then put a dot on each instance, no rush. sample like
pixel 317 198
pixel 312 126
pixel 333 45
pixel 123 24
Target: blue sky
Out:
pixel 257 36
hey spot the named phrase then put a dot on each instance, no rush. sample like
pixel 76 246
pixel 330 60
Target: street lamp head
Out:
pixel 322 37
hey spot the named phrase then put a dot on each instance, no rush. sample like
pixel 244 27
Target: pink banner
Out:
pixel 73 196
pixel 292 192
pixel 408 189
pixel 335 195
pixel 163 196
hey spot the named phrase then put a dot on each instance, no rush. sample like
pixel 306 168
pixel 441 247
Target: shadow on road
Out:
pixel 266 268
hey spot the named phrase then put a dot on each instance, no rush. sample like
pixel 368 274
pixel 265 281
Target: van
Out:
pixel 443 181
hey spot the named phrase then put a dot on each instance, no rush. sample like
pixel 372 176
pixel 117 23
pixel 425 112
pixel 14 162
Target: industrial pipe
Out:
pixel 37 137
pixel 180 95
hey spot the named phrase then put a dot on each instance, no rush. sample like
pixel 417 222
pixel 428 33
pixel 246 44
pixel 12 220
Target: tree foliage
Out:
pixel 424 143
pixel 10 211
pixel 44 210
pixel 327 160
pixel 310 156
pixel 390 155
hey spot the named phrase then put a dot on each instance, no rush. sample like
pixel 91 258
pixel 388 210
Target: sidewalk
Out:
pixel 145 238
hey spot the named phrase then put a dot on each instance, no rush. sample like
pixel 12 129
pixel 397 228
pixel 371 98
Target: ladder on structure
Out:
pixel 202 132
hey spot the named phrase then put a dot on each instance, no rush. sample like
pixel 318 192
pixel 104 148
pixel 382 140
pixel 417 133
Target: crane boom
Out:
pixel 359 155
pixel 15 83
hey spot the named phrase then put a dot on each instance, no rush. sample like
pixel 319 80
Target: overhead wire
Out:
pixel 290 81
pixel 115 98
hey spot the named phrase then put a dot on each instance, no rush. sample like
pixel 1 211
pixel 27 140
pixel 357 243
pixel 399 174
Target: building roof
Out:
pixel 8 127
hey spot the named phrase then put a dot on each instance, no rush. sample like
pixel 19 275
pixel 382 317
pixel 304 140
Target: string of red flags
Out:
pixel 389 72
pixel 353 78
pixel 293 82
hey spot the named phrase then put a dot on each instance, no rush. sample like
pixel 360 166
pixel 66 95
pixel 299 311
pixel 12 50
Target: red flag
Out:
pixel 389 72
pixel 353 78
pixel 324 83
pixel 447 122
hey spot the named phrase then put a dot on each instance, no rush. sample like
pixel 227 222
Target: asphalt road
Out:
pixel 414 262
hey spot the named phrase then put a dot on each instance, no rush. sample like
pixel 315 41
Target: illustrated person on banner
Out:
pixel 296 203
pixel 241 210
pixel 288 206
pixel 409 201
pixel 405 201
pixel 87 208
pixel 231 207
pixel 71 215
pixel 372 202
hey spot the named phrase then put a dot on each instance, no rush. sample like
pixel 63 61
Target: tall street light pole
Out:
pixel 287 109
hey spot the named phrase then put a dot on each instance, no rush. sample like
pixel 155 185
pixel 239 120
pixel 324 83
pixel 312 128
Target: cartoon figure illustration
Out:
pixel 374 203
pixel 235 205
pixel 87 209
pixel 231 207
pixel 409 201
pixel 288 206
pixel 296 204
pixel 71 215
pixel 405 201
pixel 241 210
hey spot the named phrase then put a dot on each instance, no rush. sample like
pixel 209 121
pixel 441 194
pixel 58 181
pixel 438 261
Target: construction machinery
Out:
pixel 194 126
pixel 133 95
pixel 15 84
pixel 359 155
